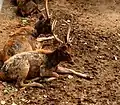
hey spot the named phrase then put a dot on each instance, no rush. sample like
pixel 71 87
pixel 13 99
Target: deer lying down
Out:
pixel 26 38
pixel 20 41
pixel 39 63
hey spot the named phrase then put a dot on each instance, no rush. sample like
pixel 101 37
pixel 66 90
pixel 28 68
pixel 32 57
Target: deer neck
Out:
pixel 52 59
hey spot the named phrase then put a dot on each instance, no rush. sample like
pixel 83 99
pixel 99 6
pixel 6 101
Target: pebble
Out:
pixel 14 103
pixel 115 58
pixel 2 102
pixel 45 96
pixel 68 21
pixel 23 100
pixel 70 76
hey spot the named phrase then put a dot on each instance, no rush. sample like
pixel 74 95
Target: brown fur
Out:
pixel 20 41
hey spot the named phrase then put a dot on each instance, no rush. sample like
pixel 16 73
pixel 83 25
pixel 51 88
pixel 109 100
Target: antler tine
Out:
pixel 46 9
pixel 68 34
pixel 53 24
pixel 55 36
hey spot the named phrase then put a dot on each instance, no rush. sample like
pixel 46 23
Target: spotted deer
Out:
pixel 28 38
pixel 39 63
pixel 20 41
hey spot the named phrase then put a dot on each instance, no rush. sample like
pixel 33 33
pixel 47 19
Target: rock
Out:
pixel 14 103
pixel 70 76
pixel 2 102
pixel 45 96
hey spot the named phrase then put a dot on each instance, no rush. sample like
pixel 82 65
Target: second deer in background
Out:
pixel 26 38
pixel 37 64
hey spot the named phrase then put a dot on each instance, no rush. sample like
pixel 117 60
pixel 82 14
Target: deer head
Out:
pixel 43 26
pixel 63 52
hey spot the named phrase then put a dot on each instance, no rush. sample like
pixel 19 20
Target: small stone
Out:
pixel 68 21
pixel 40 97
pixel 66 102
pixel 23 99
pixel 5 91
pixel 14 103
pixel 115 58
pixel 45 96
pixel 118 40
pixel 70 76
pixel 33 98
pixel 64 87
pixel 16 89
pixel 2 102
pixel 63 24
pixel 24 21
pixel 104 44
pixel 96 47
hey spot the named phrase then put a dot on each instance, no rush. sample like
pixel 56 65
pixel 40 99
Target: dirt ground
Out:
pixel 96 51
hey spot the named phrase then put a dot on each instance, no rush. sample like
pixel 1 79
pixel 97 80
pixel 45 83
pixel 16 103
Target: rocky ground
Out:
pixel 96 51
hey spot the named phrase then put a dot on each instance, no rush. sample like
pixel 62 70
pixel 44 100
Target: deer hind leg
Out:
pixel 70 71
pixel 53 76
pixel 20 83
pixel 22 77
pixel 34 84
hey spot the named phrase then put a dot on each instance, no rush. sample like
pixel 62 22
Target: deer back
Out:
pixel 20 41
pixel 17 64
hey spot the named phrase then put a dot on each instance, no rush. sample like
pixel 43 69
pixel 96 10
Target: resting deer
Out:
pixel 36 64
pixel 20 41
pixel 43 25
pixel 26 38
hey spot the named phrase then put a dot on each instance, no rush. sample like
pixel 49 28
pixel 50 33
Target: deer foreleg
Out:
pixel 70 71
pixel 49 79
pixel 34 84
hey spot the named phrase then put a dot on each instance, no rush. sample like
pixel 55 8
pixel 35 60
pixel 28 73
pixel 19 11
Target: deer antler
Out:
pixel 68 34
pixel 54 24
pixel 68 39
pixel 55 36
pixel 46 9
